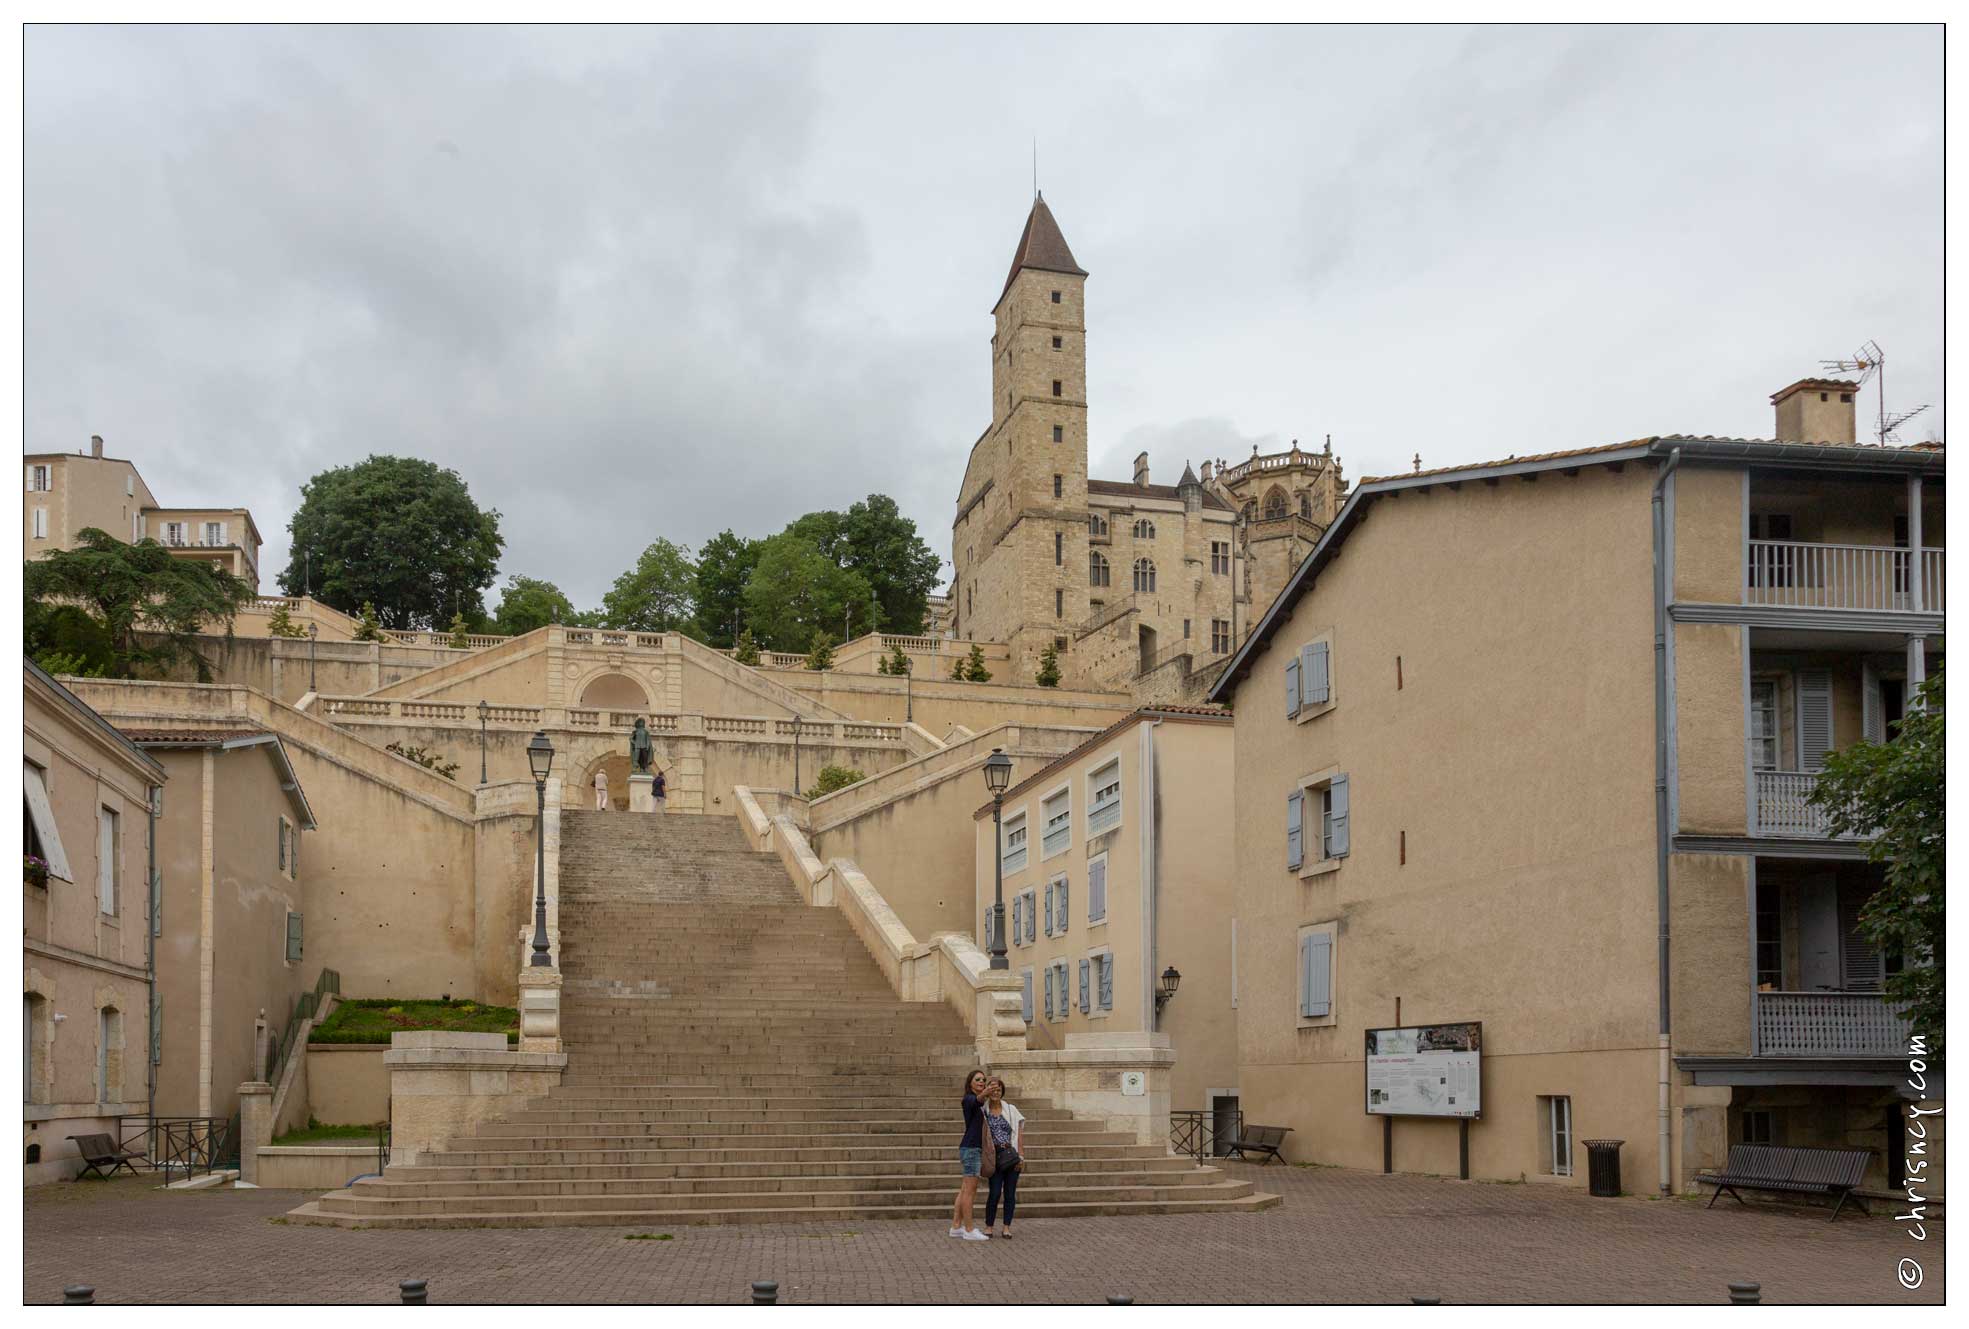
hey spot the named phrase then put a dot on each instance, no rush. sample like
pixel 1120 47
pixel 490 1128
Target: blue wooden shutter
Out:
pixel 1064 916
pixel 1097 890
pixel 1026 994
pixel 1032 923
pixel 1083 987
pixel 1106 986
pixel 293 938
pixel 1294 829
pixel 1049 991
pixel 1336 803
pixel 1814 717
pixel 1315 975
pixel 1313 680
pixel 1292 686
pixel 1049 908
pixel 1018 925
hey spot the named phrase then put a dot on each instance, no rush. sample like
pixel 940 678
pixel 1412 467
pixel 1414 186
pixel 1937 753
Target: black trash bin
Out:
pixel 1603 1166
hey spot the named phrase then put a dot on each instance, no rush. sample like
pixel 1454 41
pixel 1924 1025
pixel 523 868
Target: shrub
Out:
pixel 368 626
pixel 282 623
pixel 746 651
pixel 460 639
pixel 822 655
pixel 974 666
pixel 430 761
pixel 832 778
pixel 1049 668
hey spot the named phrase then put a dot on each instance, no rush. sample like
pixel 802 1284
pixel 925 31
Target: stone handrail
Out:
pixel 743 728
pixel 744 676
pixel 961 755
pixel 466 666
pixel 1107 614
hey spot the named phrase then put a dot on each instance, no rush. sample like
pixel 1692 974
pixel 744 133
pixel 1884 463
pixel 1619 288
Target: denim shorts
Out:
pixel 972 1159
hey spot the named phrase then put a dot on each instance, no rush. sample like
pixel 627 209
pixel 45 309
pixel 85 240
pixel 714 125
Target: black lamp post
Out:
pixel 314 631
pixel 484 711
pixel 908 682
pixel 998 774
pixel 1170 981
pixel 796 755
pixel 540 758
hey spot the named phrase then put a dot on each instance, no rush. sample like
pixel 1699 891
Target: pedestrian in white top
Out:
pixel 601 791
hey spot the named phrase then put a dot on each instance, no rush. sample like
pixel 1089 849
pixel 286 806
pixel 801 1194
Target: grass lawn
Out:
pixel 373 1020
pixel 318 1134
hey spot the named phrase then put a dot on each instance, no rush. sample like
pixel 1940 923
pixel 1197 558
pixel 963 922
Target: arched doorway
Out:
pixel 617 692
pixel 616 767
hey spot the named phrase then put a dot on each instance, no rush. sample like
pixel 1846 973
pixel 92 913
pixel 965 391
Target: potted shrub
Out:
pixel 37 870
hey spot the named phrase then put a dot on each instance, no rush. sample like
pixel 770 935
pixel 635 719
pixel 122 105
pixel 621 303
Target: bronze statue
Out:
pixel 642 752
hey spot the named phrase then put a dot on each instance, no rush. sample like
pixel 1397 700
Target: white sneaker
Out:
pixel 972 1234
pixel 957 1232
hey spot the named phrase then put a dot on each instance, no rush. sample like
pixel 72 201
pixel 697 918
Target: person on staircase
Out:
pixel 1007 1127
pixel 657 789
pixel 970 1158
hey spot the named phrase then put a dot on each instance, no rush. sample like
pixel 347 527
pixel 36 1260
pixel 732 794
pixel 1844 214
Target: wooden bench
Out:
pixel 99 1151
pixel 1259 1140
pixel 1770 1167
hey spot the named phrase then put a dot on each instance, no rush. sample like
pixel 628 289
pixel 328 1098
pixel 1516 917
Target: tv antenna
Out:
pixel 1895 421
pixel 1870 363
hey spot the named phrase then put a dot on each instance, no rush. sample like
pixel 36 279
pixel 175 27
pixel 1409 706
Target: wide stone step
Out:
pixel 779 1171
pixel 411 1186
pixel 944 1153
pixel 918 1195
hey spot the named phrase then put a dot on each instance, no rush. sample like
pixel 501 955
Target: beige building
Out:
pixel 1447 800
pixel 1114 861
pixel 67 493
pixel 232 939
pixel 85 1021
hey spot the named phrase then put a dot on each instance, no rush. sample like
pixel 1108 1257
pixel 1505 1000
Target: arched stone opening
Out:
pixel 615 766
pixel 615 692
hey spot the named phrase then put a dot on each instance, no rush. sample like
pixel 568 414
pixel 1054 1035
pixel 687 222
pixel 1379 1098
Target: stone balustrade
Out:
pixel 744 728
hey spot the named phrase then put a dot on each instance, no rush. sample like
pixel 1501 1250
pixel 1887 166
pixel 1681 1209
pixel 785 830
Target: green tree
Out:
pixel 368 626
pixel 130 589
pixel 795 591
pixel 897 662
pixel 822 655
pixel 281 623
pixel 746 652
pixel 461 637
pixel 724 566
pixel 64 639
pixel 397 532
pixel 832 778
pixel 529 603
pixel 1891 795
pixel 874 539
pixel 1049 667
pixel 974 666
pixel 659 594
pixel 957 669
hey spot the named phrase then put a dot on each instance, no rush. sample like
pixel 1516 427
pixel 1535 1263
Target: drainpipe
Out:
pixel 1661 544
pixel 152 1035
pixel 1151 883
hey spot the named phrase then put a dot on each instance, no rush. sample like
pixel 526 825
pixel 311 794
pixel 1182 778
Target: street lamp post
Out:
pixel 796 755
pixel 998 774
pixel 484 711
pixel 314 631
pixel 908 683
pixel 540 758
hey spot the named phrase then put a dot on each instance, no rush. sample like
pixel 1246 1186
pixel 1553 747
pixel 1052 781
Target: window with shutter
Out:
pixel 1859 958
pixel 1336 818
pixel 1294 829
pixel 41 816
pixel 1026 993
pixel 1032 924
pixel 1015 844
pixel 41 523
pixel 1814 717
pixel 1049 991
pixel 283 845
pixel 1313 673
pixel 1315 975
pixel 1292 687
pixel 1049 908
pixel 1083 987
pixel 1873 720
pixel 1104 989
pixel 108 841
pixel 1764 724
pixel 293 938
pixel 1018 926
pixel 1058 814
pixel 1104 807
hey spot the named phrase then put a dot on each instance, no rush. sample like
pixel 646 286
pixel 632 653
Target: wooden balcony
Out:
pixel 1799 575
pixel 1784 809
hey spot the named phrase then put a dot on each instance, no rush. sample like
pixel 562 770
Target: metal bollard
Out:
pixel 1746 1294
pixel 414 1291
pixel 1121 1301
pixel 81 1294
pixel 765 1294
pixel 1425 1301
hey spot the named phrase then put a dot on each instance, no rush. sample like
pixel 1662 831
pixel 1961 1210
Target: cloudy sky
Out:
pixel 647 282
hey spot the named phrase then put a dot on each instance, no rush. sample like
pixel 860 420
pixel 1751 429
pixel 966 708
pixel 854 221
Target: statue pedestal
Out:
pixel 642 793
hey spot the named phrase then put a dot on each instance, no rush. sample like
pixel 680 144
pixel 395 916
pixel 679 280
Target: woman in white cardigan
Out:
pixel 1007 1126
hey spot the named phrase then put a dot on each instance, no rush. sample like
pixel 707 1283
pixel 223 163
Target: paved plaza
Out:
pixel 1339 1237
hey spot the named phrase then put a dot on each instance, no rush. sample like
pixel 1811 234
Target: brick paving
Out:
pixel 1339 1237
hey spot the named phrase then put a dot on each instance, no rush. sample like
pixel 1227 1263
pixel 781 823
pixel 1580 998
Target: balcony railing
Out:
pixel 1829 1024
pixel 1784 806
pixel 1820 576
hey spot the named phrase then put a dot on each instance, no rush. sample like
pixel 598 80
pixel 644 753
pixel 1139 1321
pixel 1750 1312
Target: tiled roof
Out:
pixel 1507 461
pixel 1815 384
pixel 186 737
pixel 1538 457
pixel 1041 246
pixel 1123 489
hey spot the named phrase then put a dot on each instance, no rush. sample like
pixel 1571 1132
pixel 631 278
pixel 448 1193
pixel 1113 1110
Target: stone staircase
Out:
pixel 735 1055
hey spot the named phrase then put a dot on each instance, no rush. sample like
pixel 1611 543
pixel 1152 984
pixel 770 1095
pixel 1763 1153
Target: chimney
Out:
pixel 1205 477
pixel 95 445
pixel 1141 468
pixel 1816 410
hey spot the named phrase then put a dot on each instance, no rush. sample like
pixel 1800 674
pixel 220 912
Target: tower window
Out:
pixel 1220 557
pixel 1056 343
pixel 1144 575
pixel 1059 604
pixel 1059 433
pixel 1097 569
pixel 1056 387
pixel 1058 481
pixel 1056 297
pixel 1059 548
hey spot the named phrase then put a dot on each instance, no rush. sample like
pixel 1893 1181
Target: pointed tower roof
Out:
pixel 1041 246
pixel 1189 477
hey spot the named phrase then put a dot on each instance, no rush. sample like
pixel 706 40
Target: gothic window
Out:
pixel 1220 557
pixel 1096 524
pixel 1097 568
pixel 1306 506
pixel 1145 529
pixel 1274 504
pixel 1144 574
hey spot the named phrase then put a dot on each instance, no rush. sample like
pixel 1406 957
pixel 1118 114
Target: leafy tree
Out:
pixel 658 594
pixel 1049 667
pixel 795 592
pixel 282 624
pixel 724 566
pixel 64 639
pixel 897 662
pixel 832 778
pixel 461 638
pixel 396 532
pixel 430 761
pixel 529 603
pixel 139 588
pixel 874 539
pixel 747 650
pixel 1891 794
pixel 974 666
pixel 368 626
pixel 957 672
pixel 58 662
pixel 822 655
pixel 588 618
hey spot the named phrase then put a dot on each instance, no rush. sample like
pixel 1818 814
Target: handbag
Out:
pixel 990 1164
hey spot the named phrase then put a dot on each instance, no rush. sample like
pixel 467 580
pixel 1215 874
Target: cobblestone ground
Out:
pixel 1339 1237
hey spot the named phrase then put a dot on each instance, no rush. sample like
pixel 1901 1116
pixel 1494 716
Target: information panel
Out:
pixel 1430 1070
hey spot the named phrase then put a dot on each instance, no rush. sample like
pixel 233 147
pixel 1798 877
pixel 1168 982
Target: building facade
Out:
pixel 66 493
pixel 86 1043
pixel 1118 577
pixel 1447 809
pixel 1113 860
